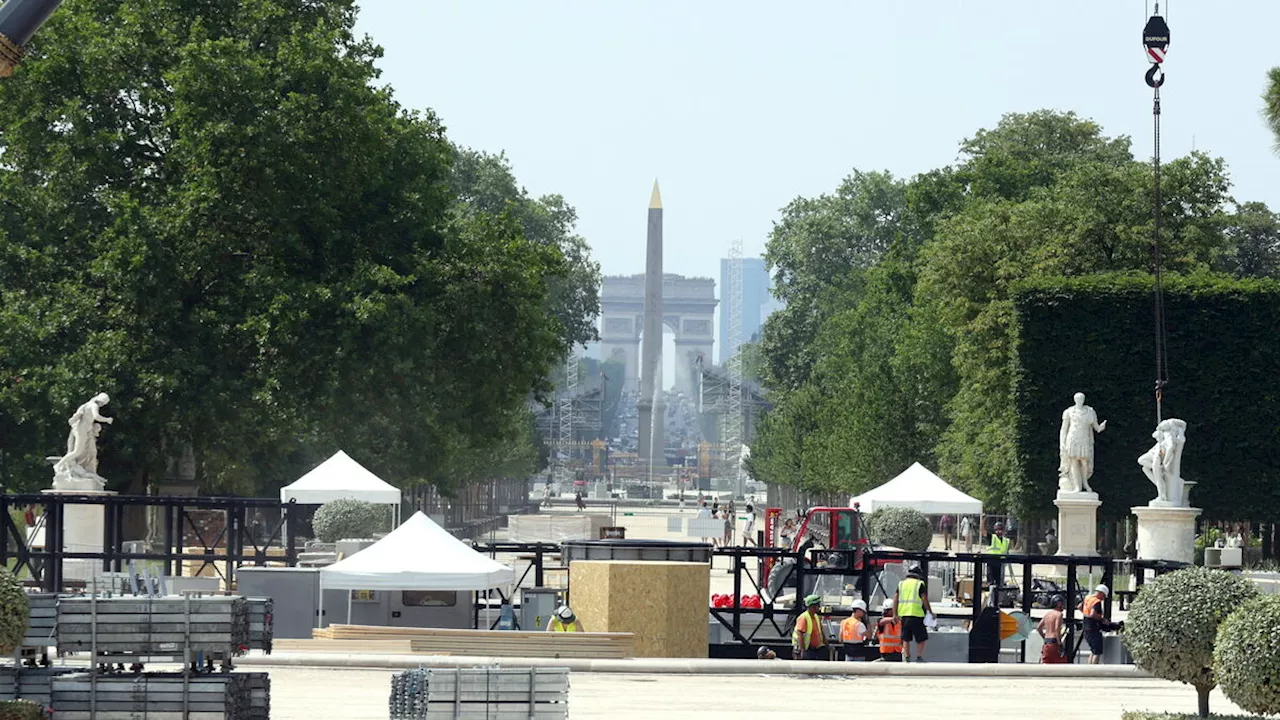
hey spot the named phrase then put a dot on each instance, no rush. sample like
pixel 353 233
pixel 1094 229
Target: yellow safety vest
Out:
pixel 909 602
pixel 999 545
pixel 557 626
pixel 810 637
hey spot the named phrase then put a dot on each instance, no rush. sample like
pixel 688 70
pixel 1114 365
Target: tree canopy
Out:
pixel 896 344
pixel 213 212
pixel 1271 104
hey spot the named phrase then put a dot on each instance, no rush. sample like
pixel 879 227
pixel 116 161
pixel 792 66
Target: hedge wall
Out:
pixel 1095 335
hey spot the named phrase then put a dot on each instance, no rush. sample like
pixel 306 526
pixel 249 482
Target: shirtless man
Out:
pixel 1050 628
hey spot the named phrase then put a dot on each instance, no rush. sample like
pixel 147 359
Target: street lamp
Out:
pixel 19 20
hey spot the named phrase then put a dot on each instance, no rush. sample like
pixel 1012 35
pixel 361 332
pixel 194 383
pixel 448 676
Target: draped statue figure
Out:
pixel 1075 446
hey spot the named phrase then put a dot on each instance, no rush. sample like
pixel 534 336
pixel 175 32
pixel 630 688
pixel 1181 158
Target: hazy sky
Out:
pixel 738 107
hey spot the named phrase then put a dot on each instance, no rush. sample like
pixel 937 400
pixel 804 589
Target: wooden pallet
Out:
pixel 491 643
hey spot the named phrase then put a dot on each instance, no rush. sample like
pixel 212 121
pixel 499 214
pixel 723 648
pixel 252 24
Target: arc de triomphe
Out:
pixel 688 308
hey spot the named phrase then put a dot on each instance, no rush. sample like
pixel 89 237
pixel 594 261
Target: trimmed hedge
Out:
pixel 1095 335
pixel 903 528
pixel 21 710
pixel 1173 624
pixel 343 519
pixel 15 612
pixel 1247 657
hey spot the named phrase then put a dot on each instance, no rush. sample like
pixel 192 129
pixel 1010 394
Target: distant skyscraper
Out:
pixel 757 302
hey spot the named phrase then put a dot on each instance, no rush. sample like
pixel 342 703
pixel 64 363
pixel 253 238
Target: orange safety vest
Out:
pixel 803 632
pixel 852 631
pixel 890 632
pixel 1090 603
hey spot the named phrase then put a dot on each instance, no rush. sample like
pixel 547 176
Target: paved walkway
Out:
pixel 321 694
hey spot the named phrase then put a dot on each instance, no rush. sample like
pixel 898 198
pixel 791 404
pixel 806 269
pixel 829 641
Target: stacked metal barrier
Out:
pixel 42 629
pixel 31 683
pixel 162 696
pixel 261 611
pixel 485 692
pixel 154 626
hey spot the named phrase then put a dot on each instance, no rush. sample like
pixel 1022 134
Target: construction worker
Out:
pixel 889 634
pixel 853 632
pixel 999 546
pixel 1050 629
pixel 564 621
pixel 911 604
pixel 808 642
pixel 1095 622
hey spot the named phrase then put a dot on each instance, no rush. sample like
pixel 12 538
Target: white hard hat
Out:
pixel 888 604
pixel 1103 589
pixel 564 613
pixel 859 605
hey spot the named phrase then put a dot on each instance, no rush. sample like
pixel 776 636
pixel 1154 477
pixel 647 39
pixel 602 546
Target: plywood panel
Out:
pixel 663 603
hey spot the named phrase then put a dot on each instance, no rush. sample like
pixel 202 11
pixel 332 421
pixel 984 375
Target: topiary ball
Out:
pixel 903 528
pixel 342 519
pixel 15 611
pixel 1246 659
pixel 1173 622
pixel 21 710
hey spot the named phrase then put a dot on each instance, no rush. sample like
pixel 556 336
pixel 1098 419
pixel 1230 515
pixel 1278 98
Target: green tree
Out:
pixel 214 213
pixel 1271 104
pixel 1254 234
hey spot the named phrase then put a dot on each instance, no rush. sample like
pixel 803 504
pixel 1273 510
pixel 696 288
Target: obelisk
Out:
pixel 651 406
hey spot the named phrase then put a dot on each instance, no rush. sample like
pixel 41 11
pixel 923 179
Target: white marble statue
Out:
pixel 1162 464
pixel 78 469
pixel 1075 446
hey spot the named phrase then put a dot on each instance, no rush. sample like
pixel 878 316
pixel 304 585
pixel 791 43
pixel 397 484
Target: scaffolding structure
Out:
pixel 732 432
pixel 565 414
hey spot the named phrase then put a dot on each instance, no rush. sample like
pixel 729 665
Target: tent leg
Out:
pixel 320 607
pixel 349 604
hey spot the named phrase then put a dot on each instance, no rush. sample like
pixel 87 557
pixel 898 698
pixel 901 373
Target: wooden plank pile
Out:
pixel 42 629
pixel 31 683
pixel 162 696
pixel 156 626
pixel 261 627
pixel 486 692
pixel 398 646
pixel 491 643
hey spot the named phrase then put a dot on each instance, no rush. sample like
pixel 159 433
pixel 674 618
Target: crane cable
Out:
pixel 1155 38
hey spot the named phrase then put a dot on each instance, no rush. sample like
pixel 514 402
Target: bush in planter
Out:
pixel 15 611
pixel 342 519
pixel 21 710
pixel 901 528
pixel 1173 623
pixel 1247 657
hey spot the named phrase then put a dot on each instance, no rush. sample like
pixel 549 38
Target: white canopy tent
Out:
pixel 340 478
pixel 918 488
pixel 418 555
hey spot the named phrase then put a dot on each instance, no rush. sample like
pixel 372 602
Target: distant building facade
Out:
pixel 758 302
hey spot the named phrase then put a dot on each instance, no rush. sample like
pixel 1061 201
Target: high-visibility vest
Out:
pixel 852 630
pixel 909 602
pixel 890 634
pixel 557 626
pixel 1090 603
pixel 807 634
pixel 999 545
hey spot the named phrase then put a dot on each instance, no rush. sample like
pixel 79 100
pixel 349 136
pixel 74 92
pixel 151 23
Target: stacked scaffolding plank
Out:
pixel 159 626
pixel 162 696
pixel 261 626
pixel 31 683
pixel 488 693
pixel 488 643
pixel 42 630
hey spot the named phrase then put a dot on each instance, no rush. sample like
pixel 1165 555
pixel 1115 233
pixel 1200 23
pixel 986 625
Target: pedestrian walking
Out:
pixel 889 634
pixel 1050 629
pixel 966 532
pixel 749 527
pixel 945 526
pixel 808 641
pixel 853 633
pixel 911 604
pixel 727 540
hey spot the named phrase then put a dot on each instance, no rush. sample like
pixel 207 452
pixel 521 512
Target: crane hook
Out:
pixel 1155 76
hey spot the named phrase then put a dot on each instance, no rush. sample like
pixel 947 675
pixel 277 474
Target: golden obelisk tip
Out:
pixel 655 200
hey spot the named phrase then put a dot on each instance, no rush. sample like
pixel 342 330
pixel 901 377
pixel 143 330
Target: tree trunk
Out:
pixel 1203 698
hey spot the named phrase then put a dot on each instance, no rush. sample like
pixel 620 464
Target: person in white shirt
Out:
pixel 749 529
pixel 704 512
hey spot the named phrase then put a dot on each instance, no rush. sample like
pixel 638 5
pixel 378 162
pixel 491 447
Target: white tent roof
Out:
pixel 418 555
pixel 337 478
pixel 917 487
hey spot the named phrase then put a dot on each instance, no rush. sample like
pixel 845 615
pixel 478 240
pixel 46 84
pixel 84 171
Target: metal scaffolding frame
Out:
pixel 732 433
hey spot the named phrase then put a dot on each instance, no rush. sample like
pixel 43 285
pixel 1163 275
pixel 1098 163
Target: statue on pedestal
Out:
pixel 1075 443
pixel 78 469
pixel 1162 464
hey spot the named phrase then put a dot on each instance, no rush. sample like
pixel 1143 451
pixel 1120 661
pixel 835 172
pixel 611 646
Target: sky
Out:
pixel 738 107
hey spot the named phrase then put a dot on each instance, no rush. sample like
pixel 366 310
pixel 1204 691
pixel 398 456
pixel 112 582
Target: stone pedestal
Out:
pixel 82 532
pixel 1077 523
pixel 1166 533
